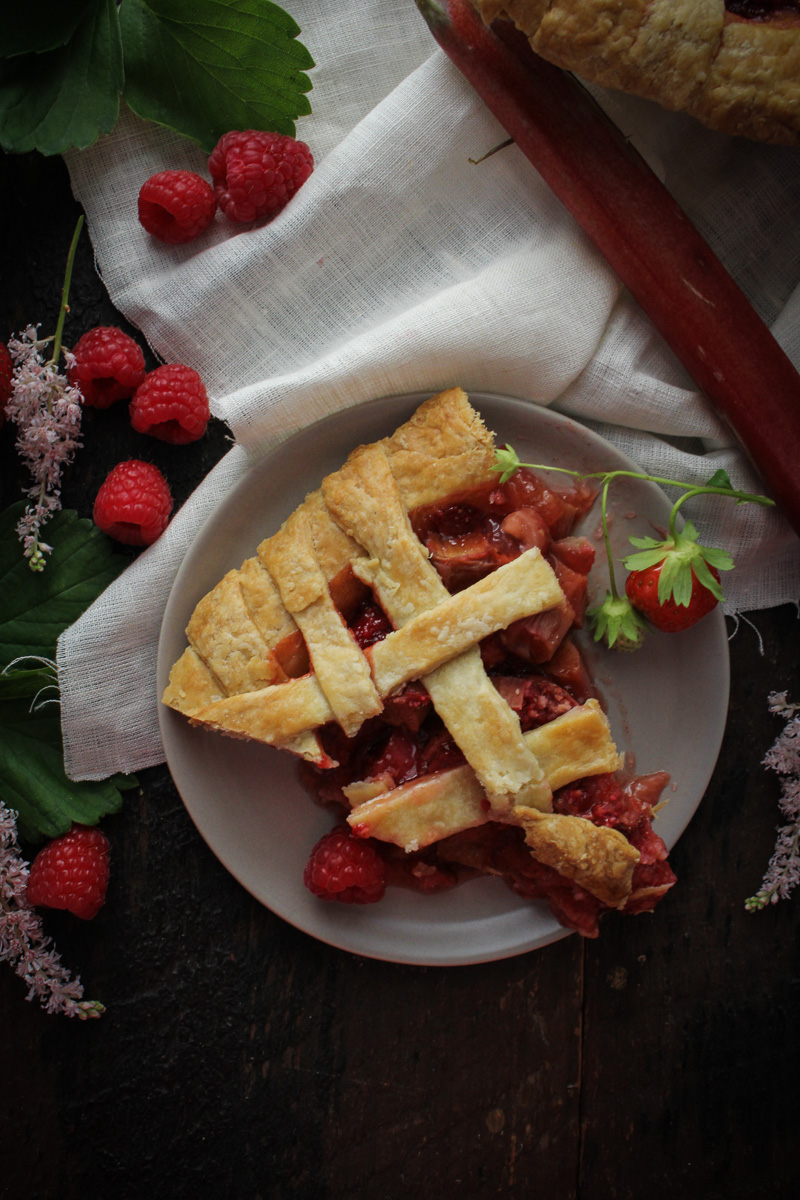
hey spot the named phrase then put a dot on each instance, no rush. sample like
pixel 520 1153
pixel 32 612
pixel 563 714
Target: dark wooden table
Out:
pixel 240 1058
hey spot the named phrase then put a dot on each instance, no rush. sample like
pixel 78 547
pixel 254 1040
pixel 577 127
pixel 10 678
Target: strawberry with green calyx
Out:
pixel 674 582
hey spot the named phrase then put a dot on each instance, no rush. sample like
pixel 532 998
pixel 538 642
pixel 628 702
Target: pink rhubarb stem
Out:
pixel 643 233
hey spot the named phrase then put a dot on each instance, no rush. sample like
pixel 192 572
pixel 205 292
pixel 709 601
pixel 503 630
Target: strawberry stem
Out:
pixel 612 583
pixel 692 489
pixel 508 463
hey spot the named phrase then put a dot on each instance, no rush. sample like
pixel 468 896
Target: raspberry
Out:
pixel 109 366
pixel 133 504
pixel 171 404
pixel 345 868
pixel 176 206
pixel 6 371
pixel 71 872
pixel 255 174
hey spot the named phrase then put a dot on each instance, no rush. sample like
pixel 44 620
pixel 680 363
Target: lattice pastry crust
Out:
pixel 271 658
pixel 736 73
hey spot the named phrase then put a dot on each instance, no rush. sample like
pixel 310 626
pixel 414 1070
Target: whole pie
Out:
pixel 732 64
pixel 407 634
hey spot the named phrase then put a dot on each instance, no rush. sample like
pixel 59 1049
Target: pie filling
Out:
pixel 776 11
pixel 409 634
pixel 536 666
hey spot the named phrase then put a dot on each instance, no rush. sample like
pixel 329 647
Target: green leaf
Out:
pixel 32 778
pixel 50 23
pixel 25 684
pixel 720 559
pixel 705 577
pixel 204 67
pixel 644 558
pixel 67 96
pixel 37 606
pixel 506 462
pixel 675 580
pixel 720 479
pixel 617 623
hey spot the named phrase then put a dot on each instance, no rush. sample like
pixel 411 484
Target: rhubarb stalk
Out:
pixel 643 233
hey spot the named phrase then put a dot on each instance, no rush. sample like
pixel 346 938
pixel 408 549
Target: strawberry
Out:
pixel 673 583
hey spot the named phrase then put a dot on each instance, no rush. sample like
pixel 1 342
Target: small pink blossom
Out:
pixel 22 940
pixel 47 412
pixel 783 871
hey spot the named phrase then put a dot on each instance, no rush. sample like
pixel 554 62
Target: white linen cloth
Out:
pixel 400 267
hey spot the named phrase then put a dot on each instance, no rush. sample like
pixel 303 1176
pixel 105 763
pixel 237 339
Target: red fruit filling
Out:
pixel 536 666
pixel 780 13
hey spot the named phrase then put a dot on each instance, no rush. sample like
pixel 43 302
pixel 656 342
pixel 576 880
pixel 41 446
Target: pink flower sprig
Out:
pixel 22 941
pixel 783 871
pixel 47 411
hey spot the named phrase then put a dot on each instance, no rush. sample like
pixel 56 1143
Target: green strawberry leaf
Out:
pixel 54 24
pixel 26 684
pixel 675 580
pixel 720 479
pixel 204 67
pixel 720 559
pixel 644 558
pixel 506 462
pixel 32 778
pixel 705 577
pixel 37 606
pixel 67 96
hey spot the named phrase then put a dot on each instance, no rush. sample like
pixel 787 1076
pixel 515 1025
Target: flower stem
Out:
pixel 65 292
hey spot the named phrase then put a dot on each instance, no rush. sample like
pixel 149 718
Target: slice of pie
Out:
pixel 732 64
pixel 408 635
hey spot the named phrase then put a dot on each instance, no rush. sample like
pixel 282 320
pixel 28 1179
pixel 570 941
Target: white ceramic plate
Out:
pixel 245 799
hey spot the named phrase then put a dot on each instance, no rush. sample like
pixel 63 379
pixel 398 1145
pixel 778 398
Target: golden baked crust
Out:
pixel 426 810
pixel 278 713
pixel 243 632
pixel 272 659
pixel 737 75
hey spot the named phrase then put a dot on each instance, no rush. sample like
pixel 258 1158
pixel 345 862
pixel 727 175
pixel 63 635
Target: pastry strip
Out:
pixel 740 76
pixel 340 667
pixel 598 859
pixel 521 588
pixel 275 714
pixel 416 814
pixel 222 633
pixel 364 500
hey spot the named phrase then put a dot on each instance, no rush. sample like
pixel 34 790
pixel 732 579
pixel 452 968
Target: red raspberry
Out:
pixel 133 504
pixel 109 366
pixel 71 872
pixel 345 868
pixel 171 404
pixel 176 206
pixel 256 174
pixel 6 371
